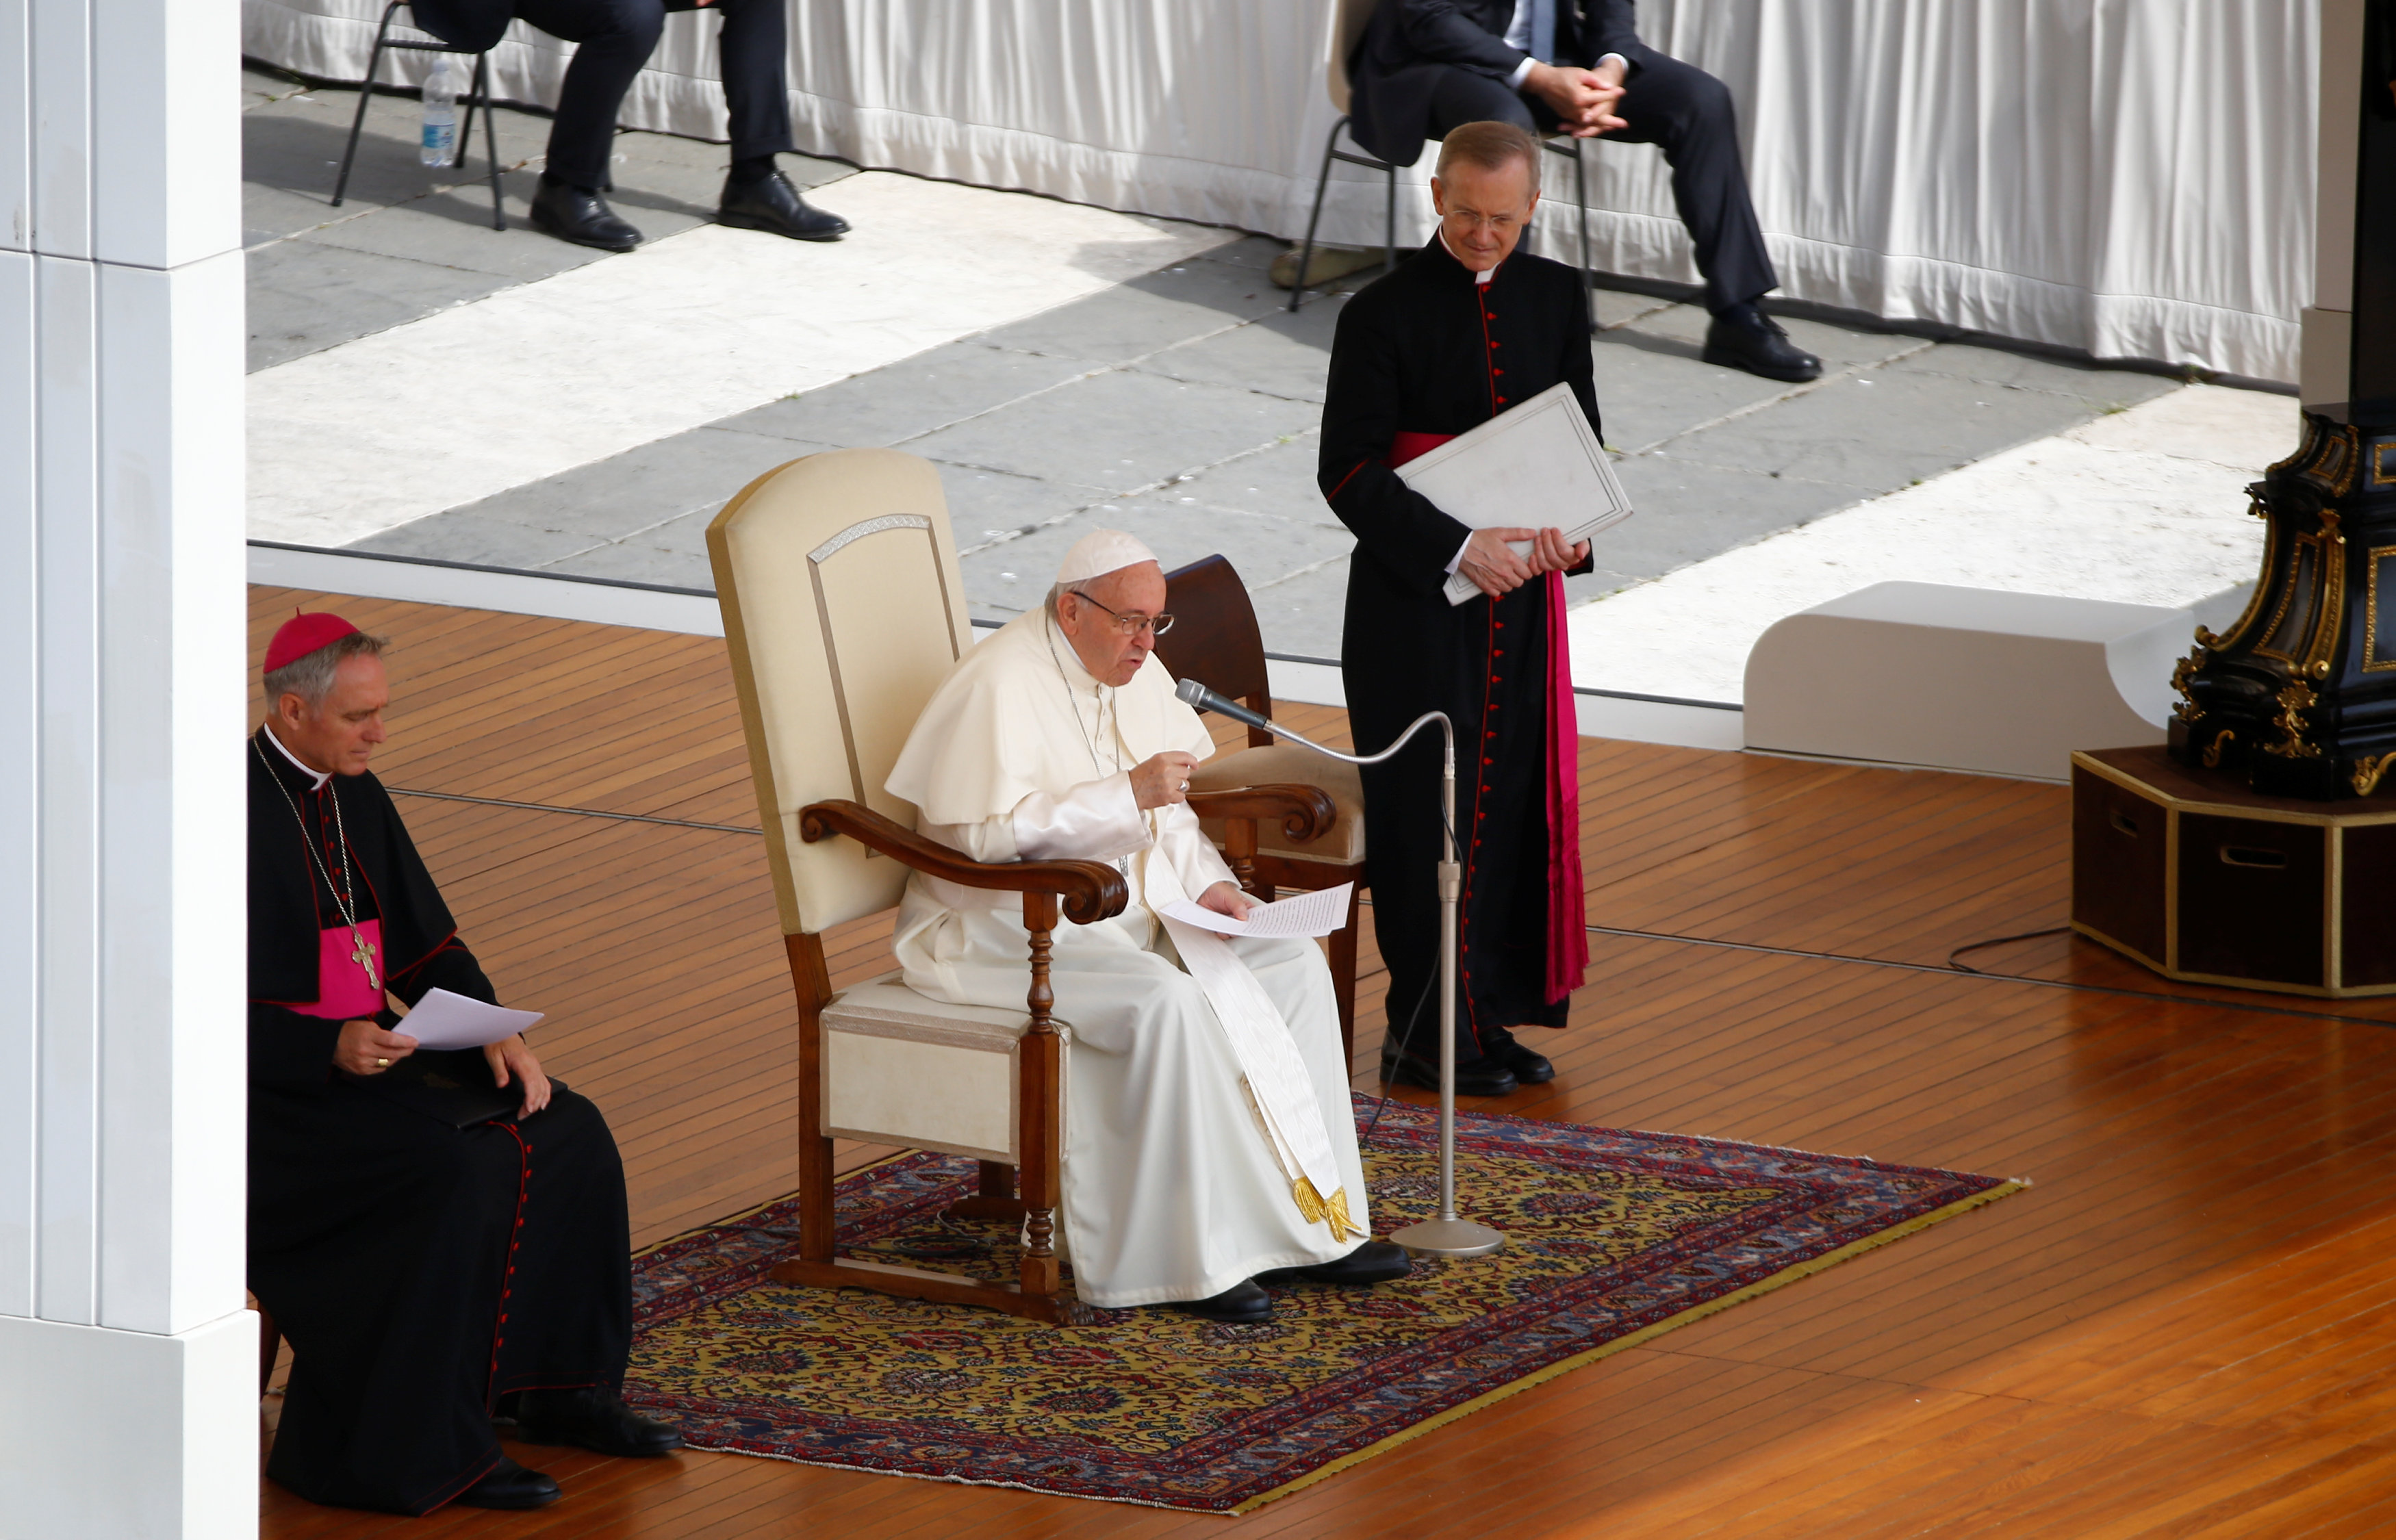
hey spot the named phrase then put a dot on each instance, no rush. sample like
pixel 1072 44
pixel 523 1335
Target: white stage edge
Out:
pixel 1946 678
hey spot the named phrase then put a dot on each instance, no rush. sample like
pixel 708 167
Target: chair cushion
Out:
pixel 886 1007
pixel 901 1069
pixel 1288 765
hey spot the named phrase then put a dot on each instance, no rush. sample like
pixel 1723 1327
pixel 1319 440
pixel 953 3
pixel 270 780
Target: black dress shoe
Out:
pixel 511 1486
pixel 1744 337
pixel 1531 1068
pixel 578 215
pixel 1482 1077
pixel 1242 1304
pixel 771 203
pixel 1374 1262
pixel 594 1419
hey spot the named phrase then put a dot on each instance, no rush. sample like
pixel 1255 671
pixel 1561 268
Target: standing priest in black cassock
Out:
pixel 438 1235
pixel 1462 330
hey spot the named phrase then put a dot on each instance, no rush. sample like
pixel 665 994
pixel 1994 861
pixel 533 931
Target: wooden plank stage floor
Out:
pixel 2184 1329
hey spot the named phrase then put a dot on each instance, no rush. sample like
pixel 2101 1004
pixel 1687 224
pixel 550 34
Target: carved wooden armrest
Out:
pixel 1091 891
pixel 1306 812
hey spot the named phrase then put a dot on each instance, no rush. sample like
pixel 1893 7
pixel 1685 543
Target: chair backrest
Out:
pixel 1348 29
pixel 843 611
pixel 1215 639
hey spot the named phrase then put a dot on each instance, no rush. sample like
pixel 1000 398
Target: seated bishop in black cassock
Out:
pixel 439 1235
pixel 1463 329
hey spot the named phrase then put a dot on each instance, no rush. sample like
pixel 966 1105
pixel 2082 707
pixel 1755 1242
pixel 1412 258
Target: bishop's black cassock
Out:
pixel 1422 355
pixel 419 1270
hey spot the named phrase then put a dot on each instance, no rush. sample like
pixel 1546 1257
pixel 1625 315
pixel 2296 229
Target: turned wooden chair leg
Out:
pixel 1041 1141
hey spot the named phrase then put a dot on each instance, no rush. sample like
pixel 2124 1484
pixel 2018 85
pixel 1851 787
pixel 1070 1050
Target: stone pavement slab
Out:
pixel 1182 403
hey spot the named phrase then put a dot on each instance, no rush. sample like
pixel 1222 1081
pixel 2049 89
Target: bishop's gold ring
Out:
pixel 382 1064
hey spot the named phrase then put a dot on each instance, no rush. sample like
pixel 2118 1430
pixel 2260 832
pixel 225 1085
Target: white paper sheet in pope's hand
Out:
pixel 1539 466
pixel 1317 913
pixel 446 1020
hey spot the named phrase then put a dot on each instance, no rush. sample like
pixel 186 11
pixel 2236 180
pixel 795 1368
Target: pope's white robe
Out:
pixel 1171 1188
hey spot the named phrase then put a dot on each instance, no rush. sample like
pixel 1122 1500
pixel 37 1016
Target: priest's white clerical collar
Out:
pixel 1482 277
pixel 319 776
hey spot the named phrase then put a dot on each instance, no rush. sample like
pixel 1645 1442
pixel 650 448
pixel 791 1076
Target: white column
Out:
pixel 128 1364
pixel 2328 337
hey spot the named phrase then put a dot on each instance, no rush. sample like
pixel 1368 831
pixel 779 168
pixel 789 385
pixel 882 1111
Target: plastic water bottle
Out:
pixel 440 146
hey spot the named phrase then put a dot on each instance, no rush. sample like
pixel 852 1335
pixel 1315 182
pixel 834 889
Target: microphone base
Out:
pixel 1449 1238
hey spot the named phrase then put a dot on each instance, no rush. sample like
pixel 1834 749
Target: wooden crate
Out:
pixel 2201 879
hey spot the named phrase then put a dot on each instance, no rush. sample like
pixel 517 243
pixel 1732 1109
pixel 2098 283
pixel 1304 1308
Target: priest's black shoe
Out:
pixel 1481 1077
pixel 771 203
pixel 1744 337
pixel 511 1486
pixel 1242 1304
pixel 1374 1262
pixel 581 216
pixel 1529 1068
pixel 593 1419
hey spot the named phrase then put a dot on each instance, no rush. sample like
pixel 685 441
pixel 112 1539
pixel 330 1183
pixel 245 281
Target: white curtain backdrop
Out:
pixel 2130 177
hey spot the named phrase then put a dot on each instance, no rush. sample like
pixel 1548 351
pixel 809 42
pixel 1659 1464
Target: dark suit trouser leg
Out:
pixel 616 38
pixel 1691 115
pixel 1459 97
pixel 755 49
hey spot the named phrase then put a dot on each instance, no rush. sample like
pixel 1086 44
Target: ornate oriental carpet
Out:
pixel 1612 1238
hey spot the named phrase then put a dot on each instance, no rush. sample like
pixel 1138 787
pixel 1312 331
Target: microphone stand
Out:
pixel 1449 1235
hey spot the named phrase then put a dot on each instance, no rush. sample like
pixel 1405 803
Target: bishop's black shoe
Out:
pixel 1241 1305
pixel 581 216
pixel 511 1486
pixel 1374 1262
pixel 1744 337
pixel 771 203
pixel 594 1419
pixel 1486 1076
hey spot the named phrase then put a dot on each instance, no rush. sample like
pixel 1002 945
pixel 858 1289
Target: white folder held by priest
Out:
pixel 1208 1134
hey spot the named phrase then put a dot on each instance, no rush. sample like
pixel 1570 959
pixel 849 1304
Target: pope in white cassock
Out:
pixel 1209 1138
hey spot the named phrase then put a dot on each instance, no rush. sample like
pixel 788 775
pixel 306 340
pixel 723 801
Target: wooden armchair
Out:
pixel 1215 639
pixel 843 611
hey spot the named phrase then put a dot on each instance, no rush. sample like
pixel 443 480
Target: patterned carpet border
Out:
pixel 1615 1237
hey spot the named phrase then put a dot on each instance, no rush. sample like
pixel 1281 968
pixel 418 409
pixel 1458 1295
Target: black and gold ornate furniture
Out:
pixel 2298 697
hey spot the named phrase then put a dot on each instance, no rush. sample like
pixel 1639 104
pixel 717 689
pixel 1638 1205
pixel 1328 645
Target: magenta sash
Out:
pixel 344 993
pixel 1567 924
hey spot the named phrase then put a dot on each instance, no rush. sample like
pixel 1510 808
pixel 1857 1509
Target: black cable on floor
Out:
pixel 1954 958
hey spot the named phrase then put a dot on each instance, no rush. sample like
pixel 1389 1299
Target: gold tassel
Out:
pixel 1311 1207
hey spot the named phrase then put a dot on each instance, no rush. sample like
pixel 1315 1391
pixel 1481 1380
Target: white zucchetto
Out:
pixel 1099 552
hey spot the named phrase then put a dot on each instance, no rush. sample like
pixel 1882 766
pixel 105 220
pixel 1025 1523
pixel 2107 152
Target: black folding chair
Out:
pixel 479 88
pixel 1348 26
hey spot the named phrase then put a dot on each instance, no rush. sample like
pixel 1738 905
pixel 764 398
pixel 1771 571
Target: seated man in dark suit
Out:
pixel 1576 66
pixel 615 37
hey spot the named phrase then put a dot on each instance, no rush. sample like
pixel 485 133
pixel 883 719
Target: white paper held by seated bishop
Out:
pixel 446 1020
pixel 1317 913
pixel 1539 463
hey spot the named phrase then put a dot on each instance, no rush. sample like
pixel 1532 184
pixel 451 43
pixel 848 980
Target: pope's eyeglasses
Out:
pixel 1129 625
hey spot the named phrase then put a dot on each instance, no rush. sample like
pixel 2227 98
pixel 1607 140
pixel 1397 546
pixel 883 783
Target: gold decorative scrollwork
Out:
pixel 2213 751
pixel 2188 710
pixel 2255 602
pixel 2368 770
pixel 2295 701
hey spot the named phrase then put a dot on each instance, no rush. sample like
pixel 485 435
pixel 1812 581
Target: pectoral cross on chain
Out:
pixel 363 956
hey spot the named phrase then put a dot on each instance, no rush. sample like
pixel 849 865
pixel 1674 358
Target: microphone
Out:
pixel 1197 694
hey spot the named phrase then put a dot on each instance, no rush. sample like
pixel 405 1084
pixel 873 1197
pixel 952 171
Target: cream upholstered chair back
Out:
pixel 1346 27
pixel 843 611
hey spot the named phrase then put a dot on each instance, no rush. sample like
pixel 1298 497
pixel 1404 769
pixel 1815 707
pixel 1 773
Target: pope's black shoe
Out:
pixel 1374 1262
pixel 771 203
pixel 1744 337
pixel 581 216
pixel 594 1419
pixel 511 1486
pixel 1478 1077
pixel 1242 1304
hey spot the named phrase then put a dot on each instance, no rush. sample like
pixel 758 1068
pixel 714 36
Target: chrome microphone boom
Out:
pixel 1448 1235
